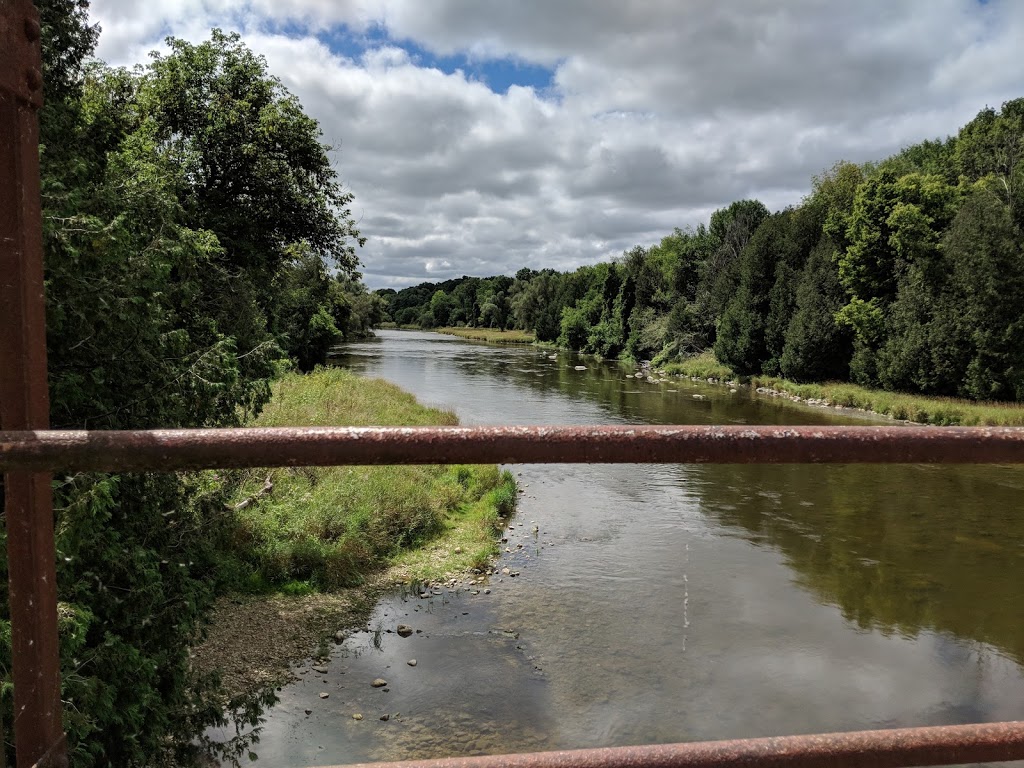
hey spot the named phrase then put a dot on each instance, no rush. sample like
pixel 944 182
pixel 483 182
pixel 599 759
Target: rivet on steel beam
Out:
pixel 34 79
pixel 32 30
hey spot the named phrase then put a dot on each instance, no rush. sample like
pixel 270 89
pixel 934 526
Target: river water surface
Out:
pixel 675 603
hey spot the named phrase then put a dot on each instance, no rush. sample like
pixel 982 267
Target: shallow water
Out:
pixel 676 603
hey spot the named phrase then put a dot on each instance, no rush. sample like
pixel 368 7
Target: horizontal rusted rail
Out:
pixel 181 449
pixel 937 745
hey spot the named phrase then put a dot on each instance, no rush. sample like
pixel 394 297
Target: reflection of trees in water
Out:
pixel 897 549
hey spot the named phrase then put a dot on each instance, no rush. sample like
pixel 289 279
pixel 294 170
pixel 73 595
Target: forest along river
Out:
pixel 676 603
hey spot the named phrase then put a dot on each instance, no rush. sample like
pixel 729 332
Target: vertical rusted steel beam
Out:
pixel 24 398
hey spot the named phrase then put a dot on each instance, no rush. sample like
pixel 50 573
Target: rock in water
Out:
pixel 411 662
pixel 404 630
pixel 324 695
pixel 379 683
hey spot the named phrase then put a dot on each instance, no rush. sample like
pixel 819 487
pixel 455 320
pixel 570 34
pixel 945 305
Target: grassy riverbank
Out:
pixel 316 528
pixel 898 405
pixel 491 334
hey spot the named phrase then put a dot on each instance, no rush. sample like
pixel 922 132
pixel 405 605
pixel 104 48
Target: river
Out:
pixel 675 603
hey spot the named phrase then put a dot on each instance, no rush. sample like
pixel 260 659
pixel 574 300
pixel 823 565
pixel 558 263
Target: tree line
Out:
pixel 197 242
pixel 905 274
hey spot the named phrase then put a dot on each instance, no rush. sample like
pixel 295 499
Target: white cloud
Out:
pixel 659 111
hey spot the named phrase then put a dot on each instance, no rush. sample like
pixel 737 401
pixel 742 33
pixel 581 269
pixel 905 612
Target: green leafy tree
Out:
pixel 983 249
pixel 440 307
pixel 161 270
pixel 751 330
pixel 992 144
pixel 817 348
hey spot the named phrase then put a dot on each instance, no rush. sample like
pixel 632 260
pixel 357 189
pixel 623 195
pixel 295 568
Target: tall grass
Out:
pixel 490 334
pixel 703 366
pixel 898 405
pixel 327 527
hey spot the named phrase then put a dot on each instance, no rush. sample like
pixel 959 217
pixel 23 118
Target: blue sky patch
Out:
pixel 496 74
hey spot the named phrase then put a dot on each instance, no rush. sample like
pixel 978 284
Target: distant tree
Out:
pixel 440 307
pixel 983 246
pixel 816 347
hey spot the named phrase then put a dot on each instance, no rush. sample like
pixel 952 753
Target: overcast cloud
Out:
pixel 483 136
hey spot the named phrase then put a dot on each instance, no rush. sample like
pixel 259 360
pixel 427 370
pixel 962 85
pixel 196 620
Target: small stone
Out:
pixel 458 550
pixel 379 683
pixel 487 591
pixel 357 716
pixel 324 695
pixel 404 630
pixel 385 717
pixel 411 662
pixel 339 636
pixel 506 571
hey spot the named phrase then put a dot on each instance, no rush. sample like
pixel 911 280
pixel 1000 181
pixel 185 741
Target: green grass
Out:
pixel 328 527
pixel 898 405
pixel 491 335
pixel 703 366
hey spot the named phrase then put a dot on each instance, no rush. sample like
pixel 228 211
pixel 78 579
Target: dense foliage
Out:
pixel 906 275
pixel 196 239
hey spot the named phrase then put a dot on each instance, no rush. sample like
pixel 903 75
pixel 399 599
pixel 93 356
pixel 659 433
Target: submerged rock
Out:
pixel 404 630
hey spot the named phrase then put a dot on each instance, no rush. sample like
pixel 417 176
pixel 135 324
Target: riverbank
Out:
pixel 492 335
pixel 945 411
pixel 313 546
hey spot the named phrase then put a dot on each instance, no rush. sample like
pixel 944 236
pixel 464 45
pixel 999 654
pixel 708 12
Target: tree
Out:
pixel 895 223
pixel 310 312
pixel 816 347
pixel 440 307
pixel 256 172
pixel 164 310
pixel 729 232
pixel 992 144
pixel 751 331
pixel 983 249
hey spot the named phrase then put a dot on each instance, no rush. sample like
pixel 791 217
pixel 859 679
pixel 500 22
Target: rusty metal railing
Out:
pixel 169 450
pixel 936 745
pixel 24 398
pixel 30 452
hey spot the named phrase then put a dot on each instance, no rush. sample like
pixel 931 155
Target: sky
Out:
pixel 482 136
